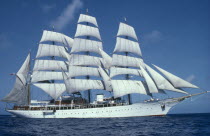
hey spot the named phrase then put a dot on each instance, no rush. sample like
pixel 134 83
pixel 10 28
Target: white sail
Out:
pixel 106 79
pixel 83 30
pixel 19 92
pixel 84 45
pixel 25 67
pixel 126 30
pixel 176 81
pixel 50 50
pixel 56 37
pixel 114 71
pixel 55 90
pixel 84 60
pixel 126 61
pixel 107 60
pixel 23 71
pixel 76 85
pixel 88 19
pixel 151 85
pixel 124 87
pixel 75 71
pixel 46 75
pixel 50 65
pixel 161 82
pixel 125 45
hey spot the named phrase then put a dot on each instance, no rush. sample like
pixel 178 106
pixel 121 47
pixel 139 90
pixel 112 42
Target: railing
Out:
pixel 69 106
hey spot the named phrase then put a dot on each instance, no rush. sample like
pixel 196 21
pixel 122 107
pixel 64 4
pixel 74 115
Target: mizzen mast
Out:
pixel 46 71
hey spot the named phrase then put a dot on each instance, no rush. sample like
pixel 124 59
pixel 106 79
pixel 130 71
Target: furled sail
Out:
pixel 54 90
pixel 161 82
pixel 125 45
pixel 19 93
pixel 114 71
pixel 50 65
pixel 50 50
pixel 124 87
pixel 126 30
pixel 176 81
pixel 84 45
pixel 56 37
pixel 88 19
pixel 84 30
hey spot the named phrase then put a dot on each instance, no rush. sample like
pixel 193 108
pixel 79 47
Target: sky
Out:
pixel 173 35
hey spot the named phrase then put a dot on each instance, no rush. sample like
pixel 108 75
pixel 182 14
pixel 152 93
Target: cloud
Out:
pixel 4 41
pixel 67 15
pixel 190 78
pixel 47 8
pixel 153 37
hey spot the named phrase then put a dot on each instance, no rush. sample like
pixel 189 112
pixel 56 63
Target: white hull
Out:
pixel 134 110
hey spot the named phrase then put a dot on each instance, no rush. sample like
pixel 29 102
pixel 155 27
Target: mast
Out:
pixel 47 71
pixel 127 75
pixel 53 58
pixel 29 82
pixel 126 64
pixel 87 56
pixel 19 93
pixel 87 53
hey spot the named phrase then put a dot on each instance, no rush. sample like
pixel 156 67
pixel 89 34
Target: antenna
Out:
pixel 125 19
pixel 87 11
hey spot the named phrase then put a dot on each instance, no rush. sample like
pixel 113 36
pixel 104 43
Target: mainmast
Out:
pixel 127 75
pixel 87 53
pixel 87 57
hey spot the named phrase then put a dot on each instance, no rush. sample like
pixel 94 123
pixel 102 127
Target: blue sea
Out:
pixel 171 125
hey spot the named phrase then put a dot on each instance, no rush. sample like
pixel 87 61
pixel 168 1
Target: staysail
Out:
pixel 161 82
pixel 19 93
pixel 176 81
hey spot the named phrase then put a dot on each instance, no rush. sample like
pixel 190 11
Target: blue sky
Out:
pixel 173 35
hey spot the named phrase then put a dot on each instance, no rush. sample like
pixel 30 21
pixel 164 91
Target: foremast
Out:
pixel 127 60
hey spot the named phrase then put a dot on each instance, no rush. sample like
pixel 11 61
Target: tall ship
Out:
pixel 79 66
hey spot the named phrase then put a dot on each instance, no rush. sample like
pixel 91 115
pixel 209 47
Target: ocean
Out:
pixel 171 125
